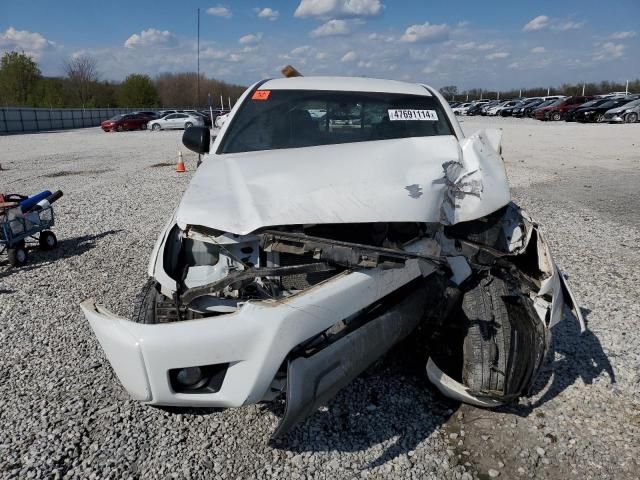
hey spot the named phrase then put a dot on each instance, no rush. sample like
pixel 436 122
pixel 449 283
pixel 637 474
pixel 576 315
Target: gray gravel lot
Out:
pixel 64 414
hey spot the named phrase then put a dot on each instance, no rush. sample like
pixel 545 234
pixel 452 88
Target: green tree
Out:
pixel 18 77
pixel 47 93
pixel 138 91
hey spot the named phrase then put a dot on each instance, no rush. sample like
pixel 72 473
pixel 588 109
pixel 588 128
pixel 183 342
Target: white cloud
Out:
pixel 475 46
pixel 150 37
pixel 220 11
pixel 250 39
pixel 331 28
pixel 303 50
pixel 322 56
pixel 467 46
pixel 31 43
pixel 267 13
pixel 211 53
pixel 622 35
pixel 349 57
pixel 497 55
pixel 426 32
pixel 568 25
pixel 377 37
pixel 609 51
pixel 539 23
pixel 538 50
pixel 338 8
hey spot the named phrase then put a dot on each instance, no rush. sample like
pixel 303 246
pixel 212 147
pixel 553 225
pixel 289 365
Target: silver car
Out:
pixel 176 120
pixel 628 113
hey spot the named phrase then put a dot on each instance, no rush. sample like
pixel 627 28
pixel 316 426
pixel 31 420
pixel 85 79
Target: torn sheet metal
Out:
pixel 454 389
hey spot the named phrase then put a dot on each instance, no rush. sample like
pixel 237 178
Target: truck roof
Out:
pixel 346 84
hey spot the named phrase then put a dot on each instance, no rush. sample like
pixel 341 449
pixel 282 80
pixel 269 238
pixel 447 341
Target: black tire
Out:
pixel 143 126
pixel 504 343
pixel 631 117
pixel 47 240
pixel 599 118
pixel 119 128
pixel 487 336
pixel 17 256
pixel 188 125
pixel 144 307
pixel 556 116
pixel 156 127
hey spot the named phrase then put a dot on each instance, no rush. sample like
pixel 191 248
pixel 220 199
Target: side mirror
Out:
pixel 197 139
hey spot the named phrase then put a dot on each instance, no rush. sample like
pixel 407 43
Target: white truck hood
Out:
pixel 420 179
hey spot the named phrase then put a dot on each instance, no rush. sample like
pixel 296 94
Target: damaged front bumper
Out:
pixel 253 341
pixel 312 342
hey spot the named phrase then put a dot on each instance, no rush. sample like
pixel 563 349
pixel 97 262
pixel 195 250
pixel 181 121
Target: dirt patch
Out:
pixel 68 173
pixel 163 164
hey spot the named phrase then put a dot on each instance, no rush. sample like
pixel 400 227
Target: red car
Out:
pixel 127 121
pixel 557 110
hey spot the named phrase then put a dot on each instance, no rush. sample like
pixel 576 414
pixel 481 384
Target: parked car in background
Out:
pixel 597 113
pixel 484 108
pixel 509 109
pixel 526 107
pixel 571 115
pixel 462 108
pixel 546 103
pixel 476 106
pixel 496 109
pixel 176 120
pixel 148 114
pixel 627 113
pixel 557 110
pixel 127 121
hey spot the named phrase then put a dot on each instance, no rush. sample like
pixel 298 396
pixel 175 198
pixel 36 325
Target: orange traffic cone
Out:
pixel 180 166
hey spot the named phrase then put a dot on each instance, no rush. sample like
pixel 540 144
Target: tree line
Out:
pixel 23 85
pixel 451 92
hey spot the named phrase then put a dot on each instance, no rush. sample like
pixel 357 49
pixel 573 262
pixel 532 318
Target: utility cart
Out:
pixel 18 228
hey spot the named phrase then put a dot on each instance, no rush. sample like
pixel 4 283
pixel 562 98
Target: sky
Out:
pixel 494 45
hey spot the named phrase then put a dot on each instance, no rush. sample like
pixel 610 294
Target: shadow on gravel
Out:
pixel 392 402
pixel 69 247
pixel 581 357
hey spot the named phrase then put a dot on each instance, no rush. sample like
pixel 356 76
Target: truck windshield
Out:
pixel 299 118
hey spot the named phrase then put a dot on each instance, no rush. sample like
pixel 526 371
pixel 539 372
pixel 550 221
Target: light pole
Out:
pixel 198 56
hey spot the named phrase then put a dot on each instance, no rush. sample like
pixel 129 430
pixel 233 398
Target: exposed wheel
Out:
pixel 599 118
pixel 119 128
pixel 631 118
pixel 555 116
pixel 155 127
pixel 143 126
pixel 504 342
pixel 188 125
pixel 151 306
pixel 17 256
pixel 48 240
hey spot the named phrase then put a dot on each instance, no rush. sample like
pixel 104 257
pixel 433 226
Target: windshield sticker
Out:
pixel 409 114
pixel 261 95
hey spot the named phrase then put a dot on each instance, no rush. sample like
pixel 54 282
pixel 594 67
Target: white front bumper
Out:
pixel 254 340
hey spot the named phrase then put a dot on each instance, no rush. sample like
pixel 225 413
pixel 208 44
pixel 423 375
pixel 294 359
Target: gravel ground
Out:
pixel 64 414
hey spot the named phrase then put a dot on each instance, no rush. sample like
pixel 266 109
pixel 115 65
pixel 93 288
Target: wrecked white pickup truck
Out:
pixel 329 219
